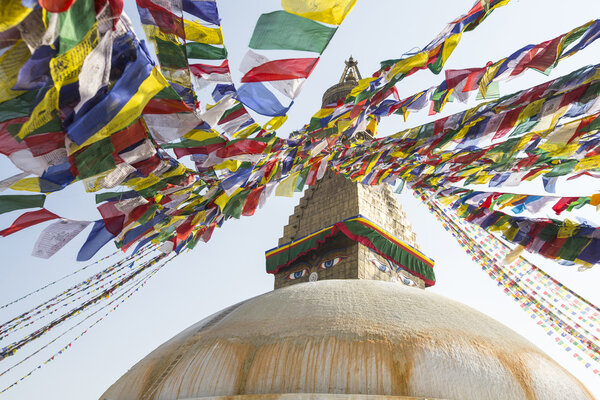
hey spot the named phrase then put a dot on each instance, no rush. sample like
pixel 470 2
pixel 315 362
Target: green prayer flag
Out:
pixel 205 51
pixel 562 169
pixel 280 30
pixel 54 125
pixel 302 179
pixel 167 93
pixel 235 205
pixel 75 23
pixel 18 202
pixel 572 247
pixel 95 159
pixel 113 196
pixel 437 65
pixel 170 54
pixel 18 107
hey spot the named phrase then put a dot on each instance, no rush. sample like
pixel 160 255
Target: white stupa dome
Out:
pixel 339 339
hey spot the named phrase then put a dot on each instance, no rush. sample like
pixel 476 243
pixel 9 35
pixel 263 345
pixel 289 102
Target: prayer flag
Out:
pixel 29 219
pixel 329 11
pixel 281 30
pixel 17 202
pixel 56 236
pixel 97 238
pixel 277 70
pixel 205 10
pixel 256 96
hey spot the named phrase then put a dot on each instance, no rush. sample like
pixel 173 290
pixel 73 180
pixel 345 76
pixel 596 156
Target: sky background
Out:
pixel 231 268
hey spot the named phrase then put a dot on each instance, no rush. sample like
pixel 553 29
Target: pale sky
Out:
pixel 230 268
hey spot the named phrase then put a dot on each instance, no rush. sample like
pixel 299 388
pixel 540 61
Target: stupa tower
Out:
pixel 334 199
pixel 347 321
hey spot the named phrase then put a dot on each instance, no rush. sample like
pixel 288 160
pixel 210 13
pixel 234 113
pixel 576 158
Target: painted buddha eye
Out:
pixel 297 274
pixel 406 280
pixel 331 262
pixel 381 266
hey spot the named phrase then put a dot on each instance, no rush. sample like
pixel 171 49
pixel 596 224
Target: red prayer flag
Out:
pixel 545 58
pixel 207 69
pixel 131 135
pixel 563 204
pixel 278 70
pixel 29 219
pixel 8 144
pixel 44 143
pixel 508 122
pixel 252 201
pixel 165 106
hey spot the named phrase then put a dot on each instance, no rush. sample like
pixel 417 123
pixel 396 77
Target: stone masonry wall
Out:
pixel 333 199
pixel 330 200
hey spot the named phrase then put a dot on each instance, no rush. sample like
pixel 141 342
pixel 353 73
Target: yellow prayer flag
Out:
pixel 275 123
pixel 472 112
pixel 482 179
pixel 487 77
pixel 12 13
pixel 529 111
pixel 588 163
pixel 66 67
pixel 560 150
pixel 27 184
pixel 362 85
pixel 143 183
pixel 404 66
pixel 449 46
pixel 343 125
pixel 372 126
pixel 286 187
pixel 567 229
pixel 231 164
pixel 94 183
pixel 10 64
pixel 202 34
pixel 445 201
pixel 500 228
pixel 179 170
pixel 552 115
pixel 199 218
pixel 223 199
pixel 513 255
pixel 323 112
pixel 247 131
pixel 329 11
pixel 199 135
pixel 43 113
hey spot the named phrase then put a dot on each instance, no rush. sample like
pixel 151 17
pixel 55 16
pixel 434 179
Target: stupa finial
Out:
pixel 351 72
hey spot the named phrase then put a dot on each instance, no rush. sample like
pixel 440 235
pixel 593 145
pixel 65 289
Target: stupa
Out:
pixel 348 319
